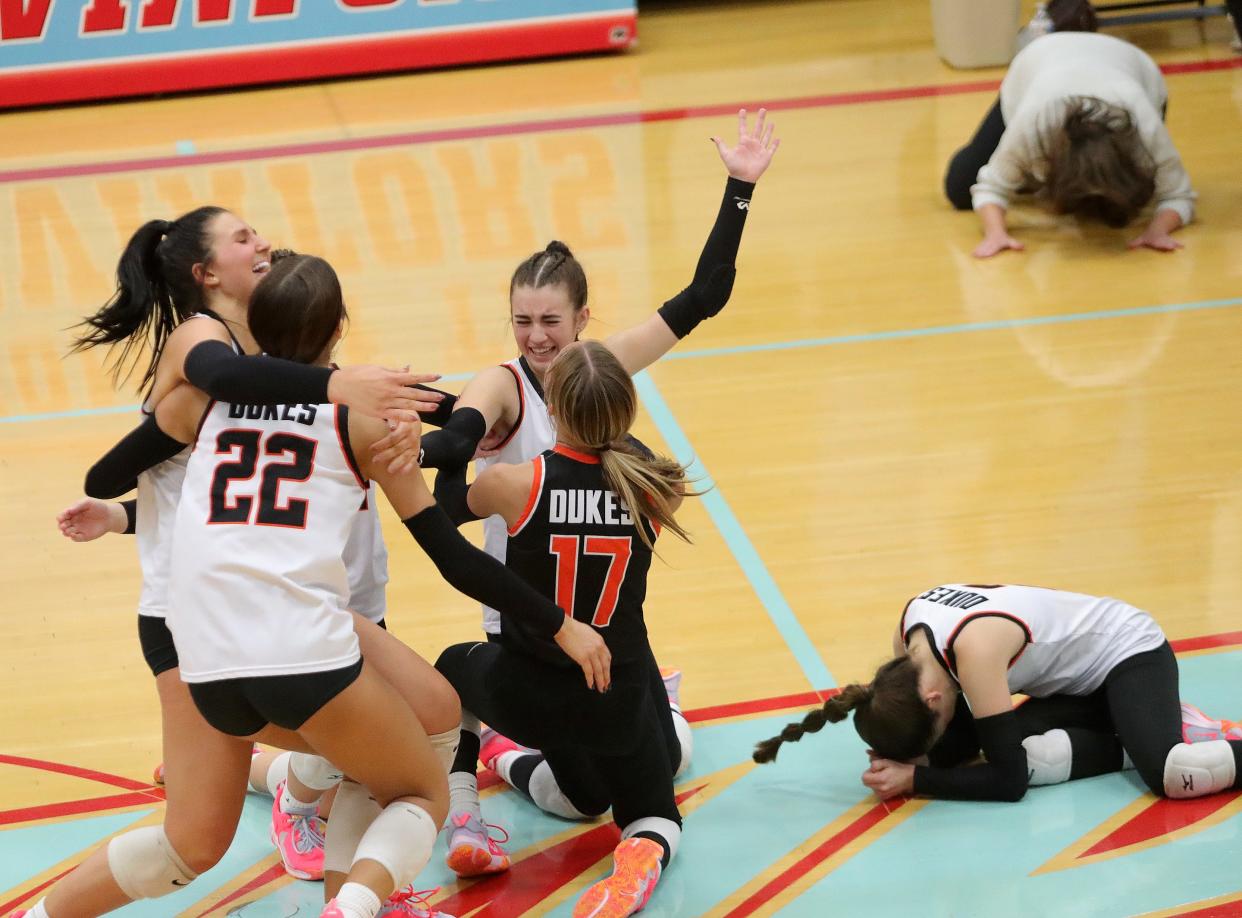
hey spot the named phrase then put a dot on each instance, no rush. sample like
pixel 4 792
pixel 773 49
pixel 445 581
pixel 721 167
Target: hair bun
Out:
pixel 556 247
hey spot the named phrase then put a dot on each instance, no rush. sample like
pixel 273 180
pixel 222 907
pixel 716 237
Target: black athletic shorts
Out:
pixel 157 644
pixel 243 707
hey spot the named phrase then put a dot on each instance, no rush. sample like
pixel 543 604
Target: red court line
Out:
pixel 758 706
pixel 1162 817
pixel 75 771
pixel 79 807
pixel 827 849
pixel 1207 642
pixel 270 875
pixel 1220 910
pixel 535 127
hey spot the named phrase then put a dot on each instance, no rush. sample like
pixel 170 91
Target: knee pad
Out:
pixel 549 797
pixel 445 746
pixel 1049 757
pixel 685 737
pixel 353 811
pixel 145 866
pixel 400 840
pixel 1199 769
pixel 314 771
pixel 278 773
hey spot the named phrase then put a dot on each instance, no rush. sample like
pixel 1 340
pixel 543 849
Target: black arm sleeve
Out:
pixel 1003 777
pixel 960 742
pixel 226 376
pixel 117 472
pixel 475 573
pixel 131 516
pixel 452 494
pixel 443 412
pixel 454 444
pixel 713 275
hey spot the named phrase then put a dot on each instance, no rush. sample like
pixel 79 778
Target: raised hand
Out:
pixel 755 148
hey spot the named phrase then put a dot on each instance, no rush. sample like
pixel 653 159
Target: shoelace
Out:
pixel 410 899
pixel 307 834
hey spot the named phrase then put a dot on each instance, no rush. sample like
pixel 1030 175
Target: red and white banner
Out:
pixel 69 50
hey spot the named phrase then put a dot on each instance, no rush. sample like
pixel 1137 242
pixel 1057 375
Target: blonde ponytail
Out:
pixel 648 486
pixel 593 401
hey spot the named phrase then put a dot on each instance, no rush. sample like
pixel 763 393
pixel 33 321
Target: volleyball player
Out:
pixel 185 285
pixel 582 519
pixel 1103 687
pixel 548 309
pixel 257 602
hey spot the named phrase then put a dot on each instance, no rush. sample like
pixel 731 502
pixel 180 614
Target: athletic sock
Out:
pixel 464 795
pixel 292 806
pixel 357 901
pixel 38 911
pixel 467 757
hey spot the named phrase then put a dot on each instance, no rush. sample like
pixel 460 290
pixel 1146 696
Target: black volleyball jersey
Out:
pixel 577 543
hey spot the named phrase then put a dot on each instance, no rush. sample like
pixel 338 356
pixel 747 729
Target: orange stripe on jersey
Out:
pixel 521 407
pixel 536 488
pixel 575 455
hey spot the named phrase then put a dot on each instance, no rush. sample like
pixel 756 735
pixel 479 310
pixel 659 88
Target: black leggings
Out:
pixel 1138 707
pixel 964 167
pixel 604 749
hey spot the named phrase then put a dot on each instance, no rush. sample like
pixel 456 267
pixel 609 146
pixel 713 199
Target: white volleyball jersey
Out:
pixel 530 437
pixel 366 561
pixel 1072 640
pixel 259 587
pixel 159 492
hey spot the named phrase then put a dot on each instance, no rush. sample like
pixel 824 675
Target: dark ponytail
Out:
pixel 889 714
pixel 155 290
pixel 554 265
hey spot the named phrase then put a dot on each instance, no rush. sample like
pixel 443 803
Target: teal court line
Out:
pixel 735 537
pixel 800 343
pixel 961 328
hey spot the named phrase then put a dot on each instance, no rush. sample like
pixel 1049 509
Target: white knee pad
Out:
pixel 400 840
pixel 656 825
pixel 1049 757
pixel 278 773
pixel 314 771
pixel 548 796
pixel 445 745
pixel 1199 769
pixel 685 736
pixel 144 864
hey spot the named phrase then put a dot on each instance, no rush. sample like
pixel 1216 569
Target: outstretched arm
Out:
pixel 202 354
pixel 709 291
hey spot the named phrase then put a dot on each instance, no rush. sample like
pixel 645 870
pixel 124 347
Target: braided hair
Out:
pixel 554 265
pixel 889 714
